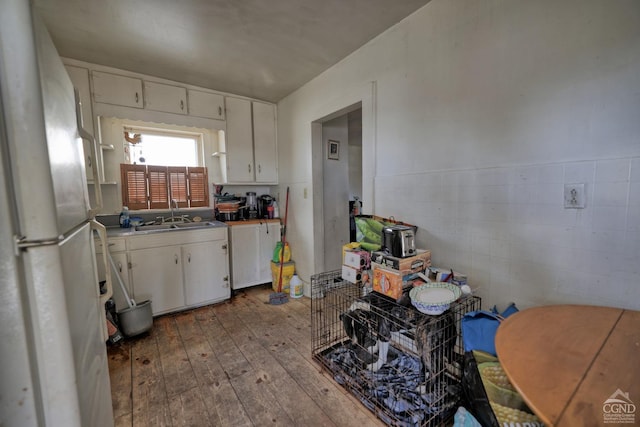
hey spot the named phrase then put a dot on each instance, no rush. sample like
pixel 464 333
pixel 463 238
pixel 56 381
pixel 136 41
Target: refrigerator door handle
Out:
pixel 102 234
pixel 21 243
pixel 93 210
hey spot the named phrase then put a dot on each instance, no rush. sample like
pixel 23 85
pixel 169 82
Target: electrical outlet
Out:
pixel 574 196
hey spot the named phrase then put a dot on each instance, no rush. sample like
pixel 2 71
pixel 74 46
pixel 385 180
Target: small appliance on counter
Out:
pixel 264 202
pixel 251 210
pixel 399 240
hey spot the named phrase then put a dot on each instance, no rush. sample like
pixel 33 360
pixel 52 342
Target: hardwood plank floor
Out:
pixel 239 363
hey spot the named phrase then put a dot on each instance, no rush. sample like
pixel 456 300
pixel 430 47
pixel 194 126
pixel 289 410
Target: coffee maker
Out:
pixel 264 202
pixel 251 205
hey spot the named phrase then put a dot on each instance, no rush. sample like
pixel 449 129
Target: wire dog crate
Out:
pixel 403 365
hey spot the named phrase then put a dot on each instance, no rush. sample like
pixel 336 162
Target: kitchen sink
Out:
pixel 154 227
pixel 193 225
pixel 178 226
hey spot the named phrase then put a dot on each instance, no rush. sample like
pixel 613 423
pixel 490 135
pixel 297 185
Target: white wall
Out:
pixel 479 112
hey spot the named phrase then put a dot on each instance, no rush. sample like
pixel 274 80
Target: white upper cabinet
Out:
pixel 207 105
pixel 117 90
pixel 264 142
pixel 250 142
pixel 167 98
pixel 239 141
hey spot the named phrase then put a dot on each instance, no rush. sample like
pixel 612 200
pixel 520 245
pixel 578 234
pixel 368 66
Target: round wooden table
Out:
pixel 574 365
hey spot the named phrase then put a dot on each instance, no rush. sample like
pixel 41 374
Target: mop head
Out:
pixel 277 298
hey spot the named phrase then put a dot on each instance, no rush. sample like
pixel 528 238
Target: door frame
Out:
pixel 364 98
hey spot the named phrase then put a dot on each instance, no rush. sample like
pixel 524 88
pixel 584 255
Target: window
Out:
pixel 158 146
pixel 163 165
pixel 153 187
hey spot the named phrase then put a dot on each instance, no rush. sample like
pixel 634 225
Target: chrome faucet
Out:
pixel 173 203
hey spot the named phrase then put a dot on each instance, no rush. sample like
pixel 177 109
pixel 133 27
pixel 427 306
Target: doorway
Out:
pixel 361 98
pixel 342 180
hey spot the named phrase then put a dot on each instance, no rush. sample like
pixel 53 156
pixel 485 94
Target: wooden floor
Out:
pixel 240 363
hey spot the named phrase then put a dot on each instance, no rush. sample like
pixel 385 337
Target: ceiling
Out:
pixel 262 49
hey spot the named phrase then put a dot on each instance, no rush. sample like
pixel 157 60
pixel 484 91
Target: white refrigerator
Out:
pixel 53 360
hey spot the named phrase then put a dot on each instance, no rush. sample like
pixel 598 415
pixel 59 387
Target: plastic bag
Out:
pixel 479 328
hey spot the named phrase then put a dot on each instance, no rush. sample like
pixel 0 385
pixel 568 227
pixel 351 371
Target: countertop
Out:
pixel 131 231
pixel 252 221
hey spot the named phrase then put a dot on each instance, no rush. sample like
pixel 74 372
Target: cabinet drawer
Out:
pixel 203 104
pixel 167 98
pixel 118 90
pixel 115 245
pixel 171 238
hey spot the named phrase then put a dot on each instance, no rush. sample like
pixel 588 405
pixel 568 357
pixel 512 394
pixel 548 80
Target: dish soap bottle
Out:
pixel 124 217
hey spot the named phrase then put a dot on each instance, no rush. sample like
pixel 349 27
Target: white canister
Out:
pixel 295 287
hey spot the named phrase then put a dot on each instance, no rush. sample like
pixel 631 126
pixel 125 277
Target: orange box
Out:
pixel 387 282
pixel 414 264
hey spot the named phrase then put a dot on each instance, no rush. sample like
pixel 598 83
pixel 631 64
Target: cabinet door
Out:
pixel 120 260
pixel 239 141
pixel 80 79
pixel 157 275
pixel 244 255
pixel 206 276
pixel 122 268
pixel 204 104
pixel 167 98
pixel 118 90
pixel 264 142
pixel 269 236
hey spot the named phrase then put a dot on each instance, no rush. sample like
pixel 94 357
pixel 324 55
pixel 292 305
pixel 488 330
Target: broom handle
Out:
pixel 284 240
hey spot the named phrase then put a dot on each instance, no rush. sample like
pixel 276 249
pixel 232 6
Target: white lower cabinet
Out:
pixel 119 255
pixel 206 272
pixel 252 248
pixel 180 269
pixel 157 275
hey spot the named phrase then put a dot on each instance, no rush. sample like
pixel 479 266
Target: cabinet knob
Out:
pixel 220 111
pixel 189 258
pixel 89 161
pixel 137 98
pixel 175 257
pixel 182 105
pixel 119 266
pixel 225 278
pixel 249 166
pixel 259 168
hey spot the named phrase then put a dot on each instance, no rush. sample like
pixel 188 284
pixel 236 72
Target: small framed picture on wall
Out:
pixel 333 150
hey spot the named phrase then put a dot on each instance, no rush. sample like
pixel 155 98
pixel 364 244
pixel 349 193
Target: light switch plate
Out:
pixel 574 196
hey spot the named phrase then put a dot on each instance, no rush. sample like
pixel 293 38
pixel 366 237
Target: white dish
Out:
pixel 434 298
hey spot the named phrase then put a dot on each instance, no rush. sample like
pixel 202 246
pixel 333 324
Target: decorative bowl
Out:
pixel 434 298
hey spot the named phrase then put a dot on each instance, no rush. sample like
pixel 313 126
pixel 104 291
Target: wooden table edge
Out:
pixel 499 343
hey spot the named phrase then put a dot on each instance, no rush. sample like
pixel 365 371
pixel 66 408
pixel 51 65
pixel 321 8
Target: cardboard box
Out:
pixel 350 274
pixel 414 264
pixel 360 260
pixel 387 282
pixel 349 247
